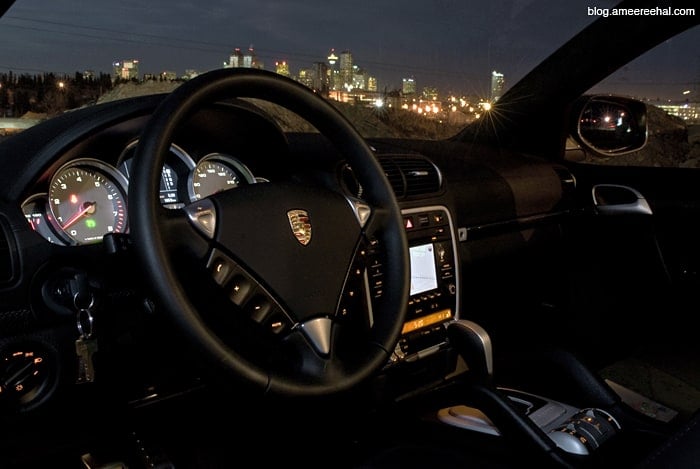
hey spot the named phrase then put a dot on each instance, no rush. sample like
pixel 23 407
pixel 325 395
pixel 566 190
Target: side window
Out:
pixel 667 80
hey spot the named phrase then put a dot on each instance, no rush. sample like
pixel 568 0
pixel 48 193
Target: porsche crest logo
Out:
pixel 301 225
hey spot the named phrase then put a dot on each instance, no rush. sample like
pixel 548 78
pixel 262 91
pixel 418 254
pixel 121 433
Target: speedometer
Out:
pixel 217 172
pixel 87 200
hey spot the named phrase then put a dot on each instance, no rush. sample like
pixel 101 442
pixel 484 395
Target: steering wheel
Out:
pixel 299 290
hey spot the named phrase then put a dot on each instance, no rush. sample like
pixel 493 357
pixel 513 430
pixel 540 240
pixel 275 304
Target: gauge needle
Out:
pixel 87 207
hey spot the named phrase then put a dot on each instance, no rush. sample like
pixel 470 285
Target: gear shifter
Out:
pixel 473 344
pixel 542 426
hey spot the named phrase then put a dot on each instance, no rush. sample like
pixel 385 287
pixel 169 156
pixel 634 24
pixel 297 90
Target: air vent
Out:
pixel 7 254
pixel 411 175
pixel 394 175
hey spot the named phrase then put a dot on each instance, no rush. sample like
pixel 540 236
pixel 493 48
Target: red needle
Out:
pixel 86 207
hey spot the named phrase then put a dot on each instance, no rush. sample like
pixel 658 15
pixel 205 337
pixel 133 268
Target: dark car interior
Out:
pixel 186 283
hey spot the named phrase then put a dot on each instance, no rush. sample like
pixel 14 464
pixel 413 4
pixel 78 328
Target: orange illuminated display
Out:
pixel 428 320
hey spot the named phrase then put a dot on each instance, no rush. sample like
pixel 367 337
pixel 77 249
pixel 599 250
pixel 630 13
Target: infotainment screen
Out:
pixel 423 272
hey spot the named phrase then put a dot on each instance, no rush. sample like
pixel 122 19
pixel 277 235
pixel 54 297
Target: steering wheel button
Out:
pixel 221 270
pixel 276 322
pixel 240 289
pixel 258 309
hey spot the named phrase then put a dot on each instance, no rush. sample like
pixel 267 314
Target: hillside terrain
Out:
pixel 371 122
pixel 671 142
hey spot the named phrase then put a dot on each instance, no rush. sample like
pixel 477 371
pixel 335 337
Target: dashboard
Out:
pixel 70 187
pixel 83 194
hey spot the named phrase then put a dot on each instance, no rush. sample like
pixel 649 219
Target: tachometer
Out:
pixel 217 172
pixel 87 200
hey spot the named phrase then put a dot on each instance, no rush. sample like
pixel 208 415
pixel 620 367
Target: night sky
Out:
pixel 449 44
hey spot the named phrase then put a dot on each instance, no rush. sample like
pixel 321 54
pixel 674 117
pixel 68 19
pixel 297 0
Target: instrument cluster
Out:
pixel 86 198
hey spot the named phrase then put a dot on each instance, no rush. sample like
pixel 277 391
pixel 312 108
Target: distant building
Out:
pixel 126 69
pixel 346 70
pixel 282 68
pixel 250 60
pixel 321 79
pixel 246 60
pixel 689 112
pixel 408 86
pixel 332 59
pixel 235 59
pixel 371 84
pixel 306 77
pixel 430 93
pixel 497 85
pixel 359 78
pixel 190 73
pixel 333 72
pixel 167 75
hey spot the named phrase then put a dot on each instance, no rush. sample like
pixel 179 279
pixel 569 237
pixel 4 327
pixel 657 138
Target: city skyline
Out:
pixel 348 71
pixel 454 53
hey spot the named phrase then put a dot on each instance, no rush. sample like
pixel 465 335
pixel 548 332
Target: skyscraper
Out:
pixel 497 85
pixel 333 73
pixel 235 59
pixel 321 78
pixel 408 86
pixel 346 70
pixel 246 60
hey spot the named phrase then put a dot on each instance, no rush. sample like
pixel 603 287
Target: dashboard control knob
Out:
pixel 25 375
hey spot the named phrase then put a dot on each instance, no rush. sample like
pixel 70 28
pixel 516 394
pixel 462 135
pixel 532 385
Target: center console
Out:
pixel 434 337
pixel 576 431
pixel 434 290
pixel 544 422
pixel 433 334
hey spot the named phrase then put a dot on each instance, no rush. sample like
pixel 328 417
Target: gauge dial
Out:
pixel 87 200
pixel 35 210
pixel 215 173
pixel 211 177
pixel 173 191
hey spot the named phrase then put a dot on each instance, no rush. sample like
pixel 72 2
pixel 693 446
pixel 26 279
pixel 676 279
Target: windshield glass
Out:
pixel 409 68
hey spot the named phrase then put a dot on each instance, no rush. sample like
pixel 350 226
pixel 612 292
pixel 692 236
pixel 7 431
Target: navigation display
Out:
pixel 423 273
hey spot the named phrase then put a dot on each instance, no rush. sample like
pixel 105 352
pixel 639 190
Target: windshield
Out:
pixel 410 68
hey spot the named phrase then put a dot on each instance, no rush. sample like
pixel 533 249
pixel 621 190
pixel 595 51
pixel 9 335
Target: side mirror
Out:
pixel 611 125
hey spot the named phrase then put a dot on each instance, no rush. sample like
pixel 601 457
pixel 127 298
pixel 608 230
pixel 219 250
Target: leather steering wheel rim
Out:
pixel 147 227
